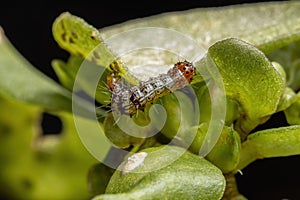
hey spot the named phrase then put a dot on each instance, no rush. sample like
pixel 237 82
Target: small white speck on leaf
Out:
pixel 134 161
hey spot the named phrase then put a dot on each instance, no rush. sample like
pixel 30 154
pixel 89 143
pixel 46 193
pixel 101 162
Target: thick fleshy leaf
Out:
pixel 225 154
pixel 248 77
pixel 292 114
pixel 21 81
pixel 188 177
pixel 67 72
pixel 287 99
pixel 81 39
pixel 288 57
pixel 268 143
pixel 205 107
pixel 180 116
pixel 98 178
pixel 117 136
pixel 266 25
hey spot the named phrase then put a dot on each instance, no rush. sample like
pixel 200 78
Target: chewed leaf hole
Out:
pixel 51 124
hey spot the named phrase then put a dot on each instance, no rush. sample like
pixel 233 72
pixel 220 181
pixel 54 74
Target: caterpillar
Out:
pixel 129 100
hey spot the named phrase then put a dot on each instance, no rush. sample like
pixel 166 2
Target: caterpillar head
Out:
pixel 187 69
pixel 112 80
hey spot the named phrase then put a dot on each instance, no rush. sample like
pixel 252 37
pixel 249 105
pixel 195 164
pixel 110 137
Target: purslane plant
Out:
pixel 254 48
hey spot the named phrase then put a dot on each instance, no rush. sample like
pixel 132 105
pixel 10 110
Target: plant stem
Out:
pixel 231 190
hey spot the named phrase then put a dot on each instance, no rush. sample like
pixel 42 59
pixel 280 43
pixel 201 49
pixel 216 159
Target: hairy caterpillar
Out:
pixel 129 100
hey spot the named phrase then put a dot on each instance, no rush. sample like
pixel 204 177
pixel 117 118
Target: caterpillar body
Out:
pixel 129 100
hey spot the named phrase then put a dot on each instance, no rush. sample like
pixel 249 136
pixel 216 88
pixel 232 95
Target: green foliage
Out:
pixel 81 39
pixel 19 80
pixel 119 137
pixel 249 78
pixel 98 178
pixel 198 177
pixel 255 49
pixel 288 57
pixel 226 152
pixel 292 113
pixel 268 143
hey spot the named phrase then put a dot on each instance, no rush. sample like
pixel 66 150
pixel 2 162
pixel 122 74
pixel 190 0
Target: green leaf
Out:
pixel 268 143
pixel 179 120
pixel 226 153
pixel 81 39
pixel 288 57
pixel 292 114
pixel 205 107
pixel 67 72
pixel 98 178
pixel 249 78
pixel 188 177
pixel 287 99
pixel 20 80
pixel 36 166
pixel 268 26
pixel 117 136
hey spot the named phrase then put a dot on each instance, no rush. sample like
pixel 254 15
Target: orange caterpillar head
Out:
pixel 187 69
pixel 112 80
